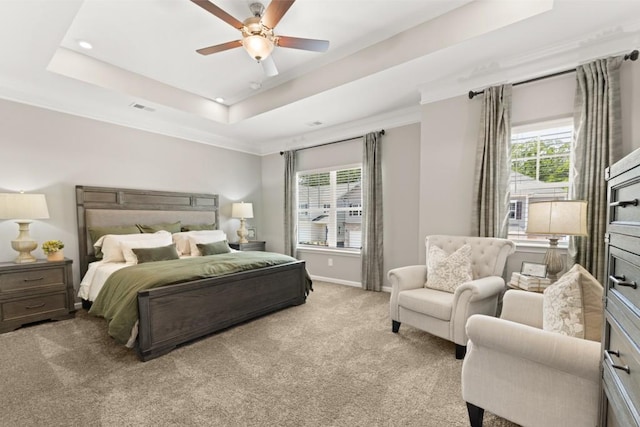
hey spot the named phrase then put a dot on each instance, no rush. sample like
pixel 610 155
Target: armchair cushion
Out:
pixel 428 301
pixel 573 305
pixel 447 272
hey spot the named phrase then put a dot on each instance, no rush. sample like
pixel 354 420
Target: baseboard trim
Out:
pixel 344 282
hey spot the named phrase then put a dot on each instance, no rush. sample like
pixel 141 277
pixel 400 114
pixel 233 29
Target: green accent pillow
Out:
pixel 198 227
pixel 96 233
pixel 171 227
pixel 162 253
pixel 214 248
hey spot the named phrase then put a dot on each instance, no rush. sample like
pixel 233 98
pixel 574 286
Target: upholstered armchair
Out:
pixel 520 372
pixel 442 303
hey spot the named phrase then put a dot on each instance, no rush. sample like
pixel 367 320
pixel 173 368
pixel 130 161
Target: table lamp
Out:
pixel 242 210
pixel 23 207
pixel 557 218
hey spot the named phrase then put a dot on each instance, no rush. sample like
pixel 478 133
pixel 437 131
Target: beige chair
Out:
pixel 532 377
pixel 445 314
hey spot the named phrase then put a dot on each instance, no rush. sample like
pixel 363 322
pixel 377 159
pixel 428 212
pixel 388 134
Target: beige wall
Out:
pixel 49 152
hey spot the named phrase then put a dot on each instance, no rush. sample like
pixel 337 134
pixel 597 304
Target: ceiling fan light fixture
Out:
pixel 258 46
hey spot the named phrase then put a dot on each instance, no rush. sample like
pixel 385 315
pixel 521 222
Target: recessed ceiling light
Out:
pixel 219 100
pixel 85 44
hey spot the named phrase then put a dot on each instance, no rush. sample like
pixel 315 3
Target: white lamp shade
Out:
pixel 559 217
pixel 23 206
pixel 242 210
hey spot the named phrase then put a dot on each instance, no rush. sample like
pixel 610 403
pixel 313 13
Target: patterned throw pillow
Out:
pixel 573 305
pixel 447 272
pixel 562 306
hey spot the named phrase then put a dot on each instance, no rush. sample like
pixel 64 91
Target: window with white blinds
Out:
pixel 330 208
pixel 540 164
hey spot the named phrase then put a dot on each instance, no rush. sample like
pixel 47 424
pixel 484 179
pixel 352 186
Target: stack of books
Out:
pixel 529 283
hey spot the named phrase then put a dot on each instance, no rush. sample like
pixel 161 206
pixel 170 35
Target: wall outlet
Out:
pixel 330 262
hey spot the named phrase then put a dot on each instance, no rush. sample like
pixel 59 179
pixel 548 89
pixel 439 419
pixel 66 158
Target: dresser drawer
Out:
pixel 623 277
pixel 41 306
pixel 32 278
pixel 624 202
pixel 618 412
pixel 622 357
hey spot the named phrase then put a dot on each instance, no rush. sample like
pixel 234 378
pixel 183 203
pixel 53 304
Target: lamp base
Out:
pixel 24 244
pixel 242 232
pixel 553 260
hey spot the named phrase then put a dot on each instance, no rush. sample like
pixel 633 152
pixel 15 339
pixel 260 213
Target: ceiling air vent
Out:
pixel 142 107
pixel 316 123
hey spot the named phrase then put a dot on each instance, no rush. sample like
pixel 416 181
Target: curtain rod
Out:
pixel 333 142
pixel 632 56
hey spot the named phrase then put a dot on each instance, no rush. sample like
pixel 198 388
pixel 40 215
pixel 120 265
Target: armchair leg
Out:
pixel 475 415
pixel 461 350
pixel 395 326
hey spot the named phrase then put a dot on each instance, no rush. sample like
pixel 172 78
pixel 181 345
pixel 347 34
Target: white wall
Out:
pixel 49 152
pixel 400 172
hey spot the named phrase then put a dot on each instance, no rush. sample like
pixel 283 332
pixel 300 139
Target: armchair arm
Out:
pixel 522 307
pixel 478 296
pixel 403 278
pixel 558 352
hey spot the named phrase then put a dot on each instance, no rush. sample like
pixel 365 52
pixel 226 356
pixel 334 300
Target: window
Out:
pixel 540 160
pixel 330 208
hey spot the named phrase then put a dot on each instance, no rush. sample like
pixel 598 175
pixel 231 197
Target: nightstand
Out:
pixel 252 245
pixel 35 291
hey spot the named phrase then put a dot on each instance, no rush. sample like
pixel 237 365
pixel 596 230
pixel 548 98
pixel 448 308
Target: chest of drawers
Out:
pixel 35 291
pixel 621 340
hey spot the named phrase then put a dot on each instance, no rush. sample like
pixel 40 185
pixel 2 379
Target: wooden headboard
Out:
pixel 104 206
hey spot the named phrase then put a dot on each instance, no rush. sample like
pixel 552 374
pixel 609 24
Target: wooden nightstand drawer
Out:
pixel 43 306
pixel 254 245
pixel 18 281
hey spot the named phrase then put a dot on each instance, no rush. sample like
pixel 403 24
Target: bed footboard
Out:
pixel 175 314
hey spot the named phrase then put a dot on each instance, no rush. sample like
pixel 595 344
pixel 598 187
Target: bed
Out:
pixel 174 314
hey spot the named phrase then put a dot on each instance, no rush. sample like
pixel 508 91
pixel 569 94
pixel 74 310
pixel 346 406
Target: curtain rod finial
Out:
pixel 633 55
pixel 471 94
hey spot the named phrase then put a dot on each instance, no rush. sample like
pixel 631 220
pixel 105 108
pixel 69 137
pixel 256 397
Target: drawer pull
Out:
pixel 622 281
pixel 31 307
pixel 33 280
pixel 624 203
pixel 607 355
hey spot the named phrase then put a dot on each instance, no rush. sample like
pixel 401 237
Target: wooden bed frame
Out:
pixel 175 314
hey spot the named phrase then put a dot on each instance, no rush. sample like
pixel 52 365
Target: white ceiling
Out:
pixel 385 57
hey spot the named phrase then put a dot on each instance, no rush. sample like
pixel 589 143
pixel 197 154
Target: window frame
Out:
pixel 540 125
pixel 347 209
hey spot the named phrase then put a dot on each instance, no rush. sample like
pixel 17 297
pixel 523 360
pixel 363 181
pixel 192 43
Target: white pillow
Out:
pixel 183 246
pixel 112 251
pixel 447 272
pixel 562 306
pixel 204 238
pixel 128 246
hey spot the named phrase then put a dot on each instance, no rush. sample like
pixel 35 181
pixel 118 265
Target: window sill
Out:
pixel 538 248
pixel 346 252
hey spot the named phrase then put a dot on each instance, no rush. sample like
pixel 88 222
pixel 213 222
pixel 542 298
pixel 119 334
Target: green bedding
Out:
pixel 117 301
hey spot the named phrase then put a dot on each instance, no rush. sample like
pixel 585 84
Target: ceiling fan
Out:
pixel 258 37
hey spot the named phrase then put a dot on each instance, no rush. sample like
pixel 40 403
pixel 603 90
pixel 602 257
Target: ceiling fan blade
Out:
pixel 275 11
pixel 215 10
pixel 269 66
pixel 219 47
pixel 304 44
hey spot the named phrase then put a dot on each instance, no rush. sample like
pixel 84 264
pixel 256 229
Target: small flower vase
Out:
pixel 55 256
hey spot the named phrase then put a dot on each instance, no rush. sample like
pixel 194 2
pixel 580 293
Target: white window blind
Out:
pixel 540 165
pixel 330 208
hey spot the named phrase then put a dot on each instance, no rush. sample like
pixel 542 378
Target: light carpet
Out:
pixel 330 362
